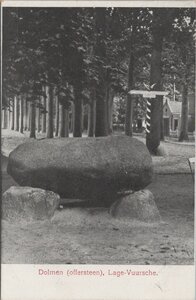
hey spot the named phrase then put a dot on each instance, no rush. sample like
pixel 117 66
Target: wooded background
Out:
pixel 70 69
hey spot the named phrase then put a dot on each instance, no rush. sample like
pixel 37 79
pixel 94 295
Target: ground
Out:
pixel 79 235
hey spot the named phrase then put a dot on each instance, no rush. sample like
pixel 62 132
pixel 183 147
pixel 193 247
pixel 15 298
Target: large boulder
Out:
pixel 136 206
pixel 27 203
pixel 84 168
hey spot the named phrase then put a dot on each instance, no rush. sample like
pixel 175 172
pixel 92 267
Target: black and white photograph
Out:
pixel 98 136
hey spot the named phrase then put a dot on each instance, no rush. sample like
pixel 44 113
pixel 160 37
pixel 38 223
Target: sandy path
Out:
pixel 91 236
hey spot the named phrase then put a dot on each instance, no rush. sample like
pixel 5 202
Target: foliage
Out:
pixel 57 47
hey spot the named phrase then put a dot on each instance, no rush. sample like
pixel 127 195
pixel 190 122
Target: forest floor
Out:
pixel 78 235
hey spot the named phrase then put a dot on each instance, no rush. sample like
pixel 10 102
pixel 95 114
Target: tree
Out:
pixel 25 113
pixel 92 55
pixel 43 111
pixel 3 119
pixel 186 52
pixel 16 117
pixel 64 121
pixel 32 120
pixel 179 62
pixel 64 97
pixel 161 26
pixel 184 113
pixel 21 113
pixel 101 128
pixel 12 114
pixel 130 100
pixel 78 98
pixel 56 116
pixel 76 75
pixel 50 95
pixel 29 116
pixel 153 138
pixel 91 114
pixel 129 45
pixel 38 114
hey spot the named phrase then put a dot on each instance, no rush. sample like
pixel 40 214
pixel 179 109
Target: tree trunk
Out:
pixel 10 114
pixel 3 118
pixel 161 23
pixel 91 115
pixel 110 112
pixel 64 121
pixel 57 117
pixel 21 113
pixel 13 114
pixel 44 115
pixel 25 114
pixel 101 126
pixel 78 113
pixel 32 118
pixel 16 117
pixel 153 138
pixel 72 117
pixel 29 116
pixel 49 93
pixel 5 125
pixel 130 100
pixel 184 115
pixel 162 121
pixel 38 117
pixel 6 118
pixel 77 121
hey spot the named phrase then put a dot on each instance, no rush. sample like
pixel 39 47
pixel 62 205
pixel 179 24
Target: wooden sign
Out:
pixel 148 94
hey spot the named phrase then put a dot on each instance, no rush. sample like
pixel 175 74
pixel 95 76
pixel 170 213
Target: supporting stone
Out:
pixel 27 204
pixel 136 206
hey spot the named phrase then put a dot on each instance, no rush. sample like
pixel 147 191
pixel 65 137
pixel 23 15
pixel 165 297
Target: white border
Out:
pixel 19 282
pixel 100 3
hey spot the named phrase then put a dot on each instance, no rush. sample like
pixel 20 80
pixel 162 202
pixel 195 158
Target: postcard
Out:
pixel 98 150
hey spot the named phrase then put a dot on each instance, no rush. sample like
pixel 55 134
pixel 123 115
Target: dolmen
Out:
pixel 93 169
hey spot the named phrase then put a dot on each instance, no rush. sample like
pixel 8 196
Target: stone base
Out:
pixel 139 206
pixel 27 203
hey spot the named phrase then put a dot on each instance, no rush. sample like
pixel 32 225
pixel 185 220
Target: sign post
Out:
pixel 149 95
